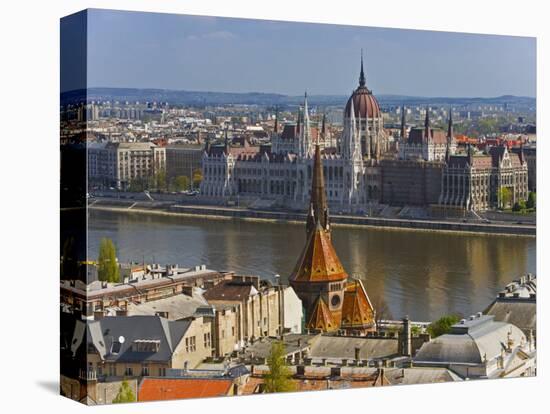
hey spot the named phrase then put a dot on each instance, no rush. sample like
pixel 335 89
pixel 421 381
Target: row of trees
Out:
pixel 505 197
pixel 523 206
pixel 160 182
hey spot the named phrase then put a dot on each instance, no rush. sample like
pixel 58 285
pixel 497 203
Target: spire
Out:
pixel 305 133
pixel 276 126
pixel 427 124
pixel 470 155
pixel 226 143
pixel 362 81
pixel 318 208
pixel 403 122
pixel 450 127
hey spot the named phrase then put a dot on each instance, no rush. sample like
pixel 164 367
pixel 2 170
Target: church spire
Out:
pixel 305 132
pixel 276 126
pixel 450 127
pixel 318 207
pixel 226 143
pixel 362 80
pixel 427 124
pixel 403 123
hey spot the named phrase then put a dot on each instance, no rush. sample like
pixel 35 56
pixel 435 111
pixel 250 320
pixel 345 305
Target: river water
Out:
pixel 420 274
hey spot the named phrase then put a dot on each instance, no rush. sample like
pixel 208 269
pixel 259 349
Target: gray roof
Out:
pixel 342 347
pixel 293 343
pixel 178 306
pixel 521 313
pixel 470 342
pixel 104 334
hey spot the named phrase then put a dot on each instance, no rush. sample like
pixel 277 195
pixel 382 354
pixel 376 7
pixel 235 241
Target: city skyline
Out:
pixel 152 50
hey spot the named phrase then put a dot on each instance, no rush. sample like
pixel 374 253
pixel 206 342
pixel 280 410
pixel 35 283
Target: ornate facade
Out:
pixel 283 173
pixel 331 299
pixel 476 181
pixel 428 144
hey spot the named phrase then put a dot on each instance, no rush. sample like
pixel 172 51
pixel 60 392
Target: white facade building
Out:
pixel 283 174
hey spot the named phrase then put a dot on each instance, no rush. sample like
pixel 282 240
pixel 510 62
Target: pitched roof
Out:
pixel 154 389
pixel 230 290
pixel 177 307
pixel 417 136
pixel 104 335
pixel 322 318
pixel 357 311
pixel 318 261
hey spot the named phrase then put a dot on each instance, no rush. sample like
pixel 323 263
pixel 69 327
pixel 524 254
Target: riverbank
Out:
pixel 229 213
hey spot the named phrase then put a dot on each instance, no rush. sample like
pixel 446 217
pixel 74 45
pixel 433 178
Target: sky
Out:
pixel 167 51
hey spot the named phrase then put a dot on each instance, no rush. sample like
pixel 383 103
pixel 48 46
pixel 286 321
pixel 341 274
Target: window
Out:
pixel 129 372
pixel 144 371
pixel 162 372
pixel 207 340
pixel 232 331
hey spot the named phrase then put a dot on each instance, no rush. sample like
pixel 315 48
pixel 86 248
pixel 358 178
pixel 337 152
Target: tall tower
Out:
pixel 427 125
pixel 305 132
pixel 450 136
pixel 403 123
pixel 319 279
pixel 318 207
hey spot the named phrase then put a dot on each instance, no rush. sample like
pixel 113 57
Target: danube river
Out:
pixel 421 274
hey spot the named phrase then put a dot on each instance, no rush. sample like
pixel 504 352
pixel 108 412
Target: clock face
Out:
pixel 335 301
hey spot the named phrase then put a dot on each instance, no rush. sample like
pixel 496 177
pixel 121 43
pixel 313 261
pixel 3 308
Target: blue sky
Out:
pixel 149 50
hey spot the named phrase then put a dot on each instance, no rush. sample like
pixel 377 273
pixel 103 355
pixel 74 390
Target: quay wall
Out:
pixel 217 212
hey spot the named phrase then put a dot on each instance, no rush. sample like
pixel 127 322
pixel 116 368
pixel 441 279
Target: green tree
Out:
pixel 505 196
pixel 197 178
pixel 108 270
pixel 279 377
pixel 125 394
pixel 159 180
pixel 181 183
pixel 516 208
pixel 531 200
pixel 442 325
pixel 137 185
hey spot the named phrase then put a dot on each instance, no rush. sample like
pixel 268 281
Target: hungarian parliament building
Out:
pixel 365 166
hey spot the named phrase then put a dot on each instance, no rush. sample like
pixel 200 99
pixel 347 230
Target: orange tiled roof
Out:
pixel 318 261
pixel 153 389
pixel 357 311
pixel 322 318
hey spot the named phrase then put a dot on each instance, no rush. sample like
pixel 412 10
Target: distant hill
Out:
pixel 200 98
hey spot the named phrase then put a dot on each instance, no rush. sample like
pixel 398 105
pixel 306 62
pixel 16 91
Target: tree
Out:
pixel 442 325
pixel 181 183
pixel 531 200
pixel 516 208
pixel 197 177
pixel 279 377
pixel 108 270
pixel 159 180
pixel 505 196
pixel 137 185
pixel 381 310
pixel 125 394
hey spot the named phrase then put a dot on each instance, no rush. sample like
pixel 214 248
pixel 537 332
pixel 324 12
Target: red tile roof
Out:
pixel 154 389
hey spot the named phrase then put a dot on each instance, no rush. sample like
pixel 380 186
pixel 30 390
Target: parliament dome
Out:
pixel 364 102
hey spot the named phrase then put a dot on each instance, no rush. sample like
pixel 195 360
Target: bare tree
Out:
pixel 382 310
